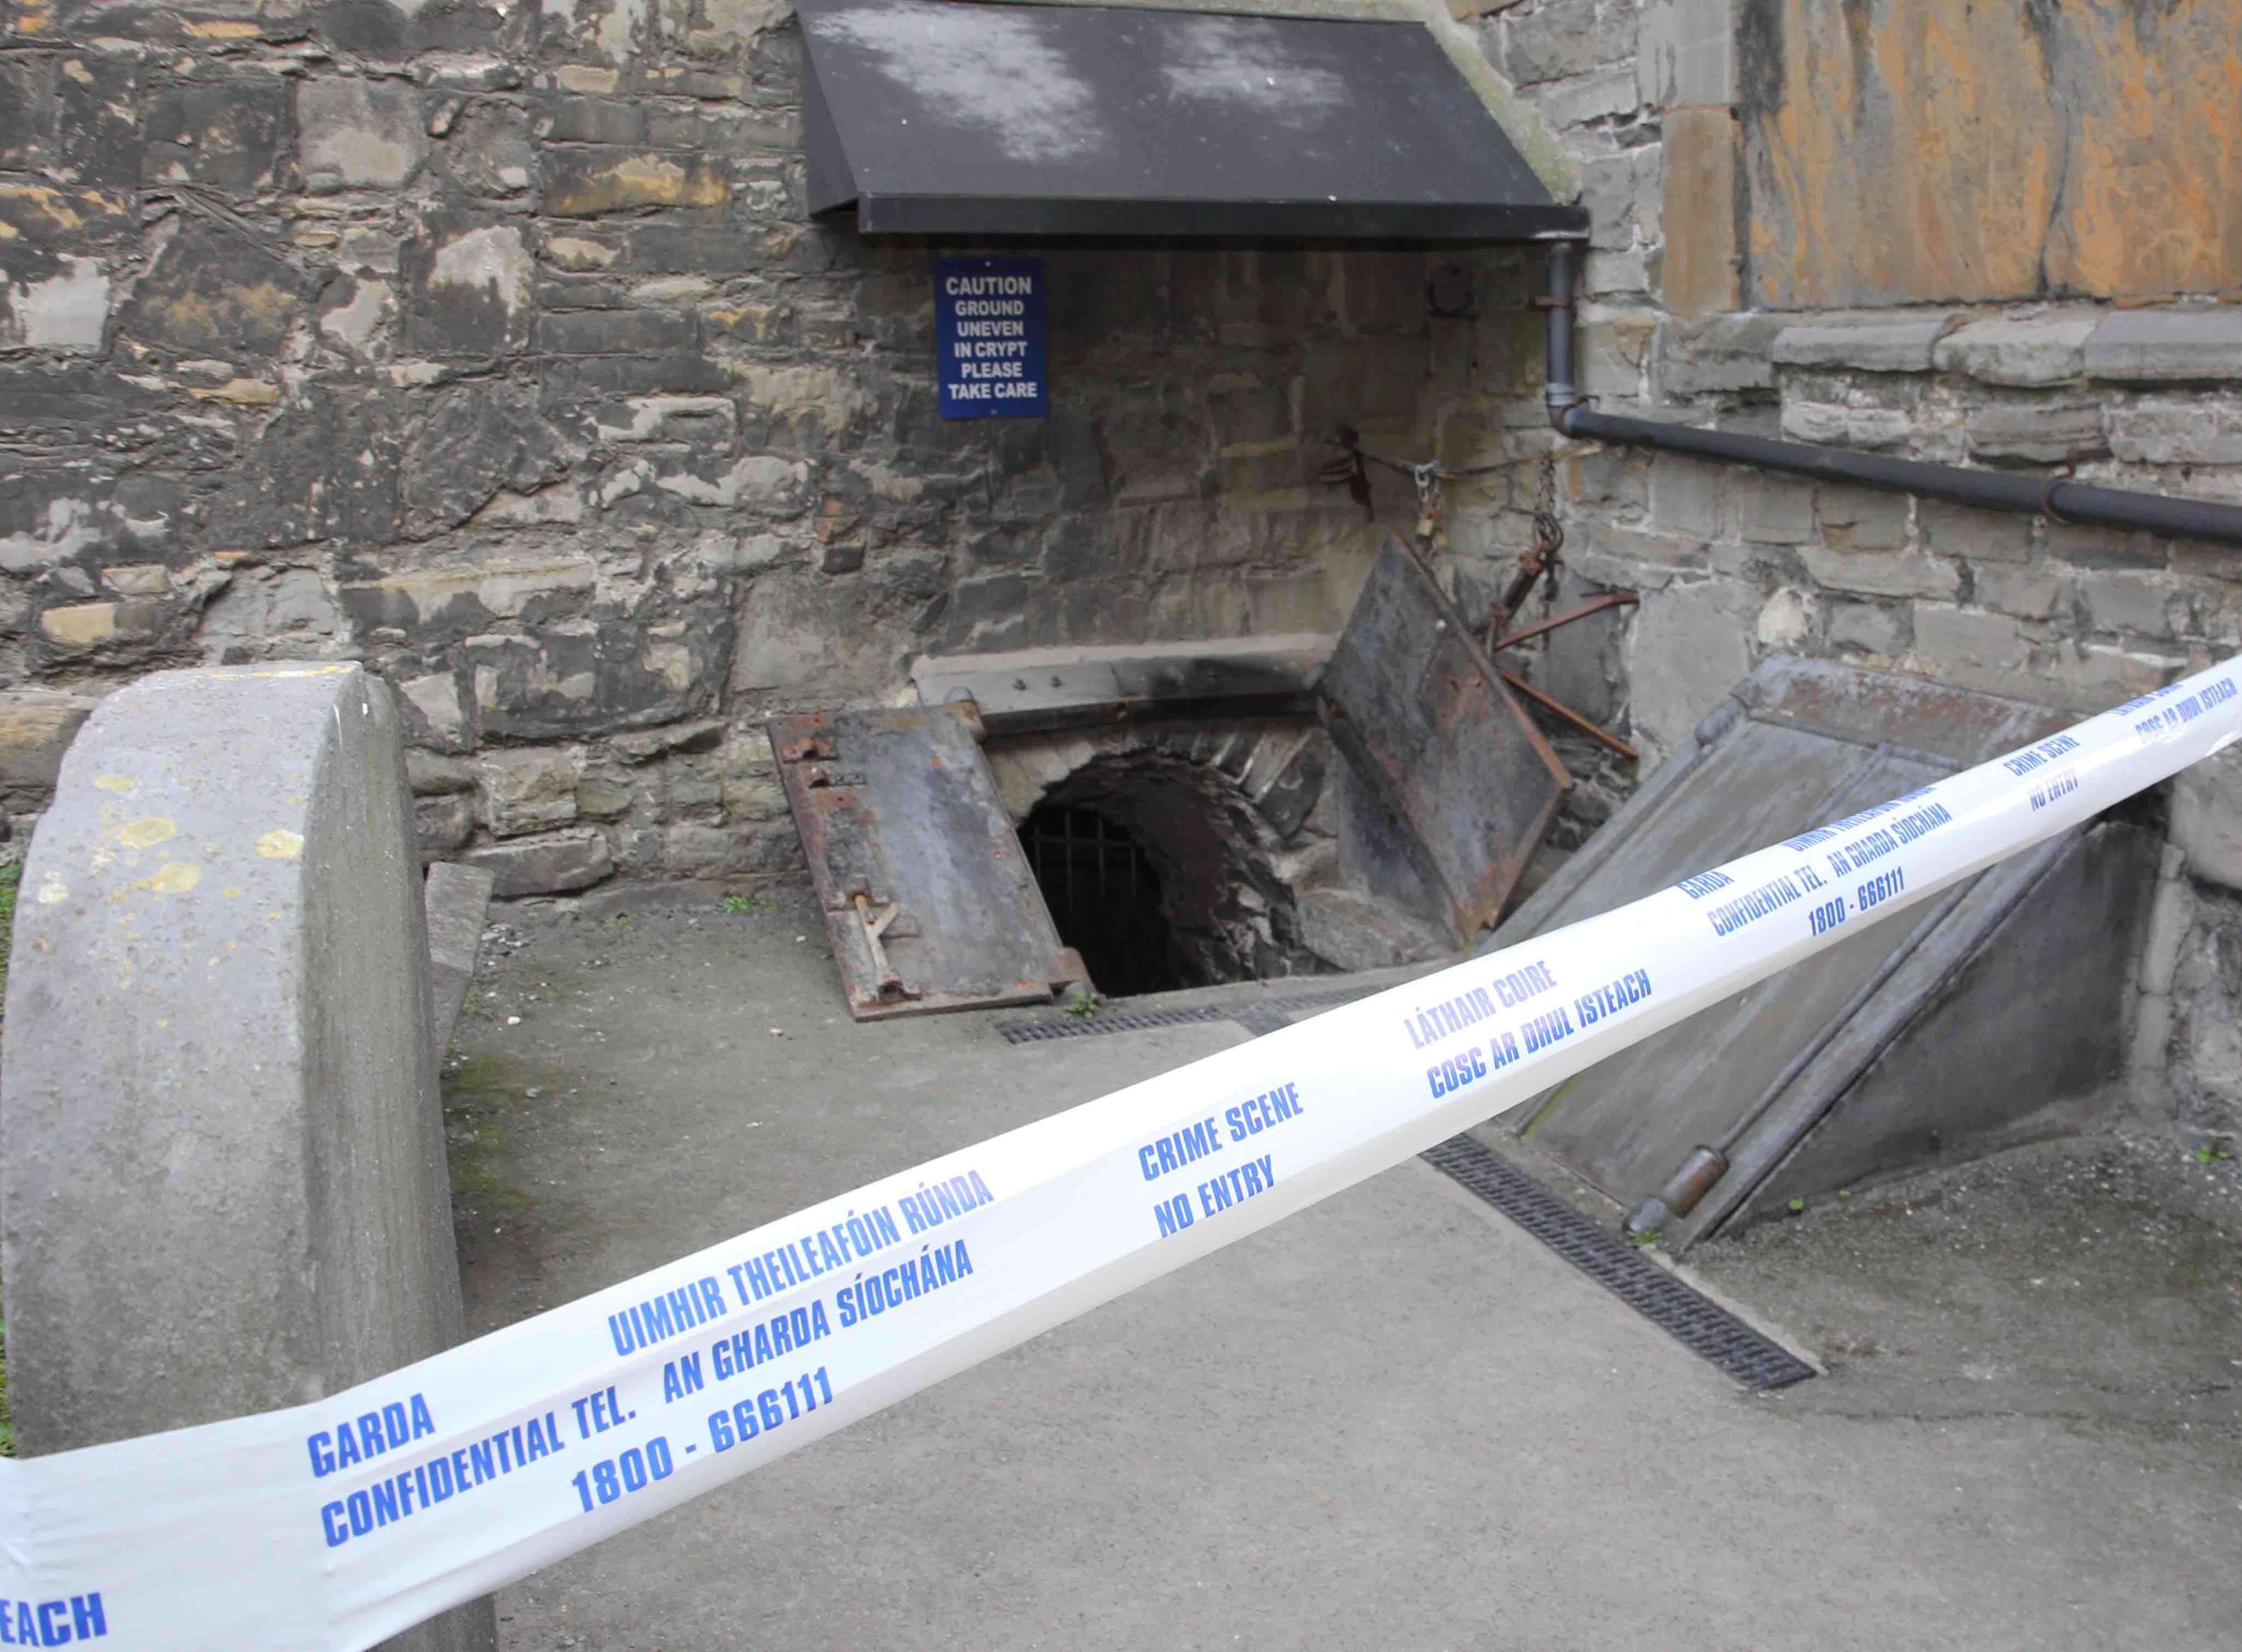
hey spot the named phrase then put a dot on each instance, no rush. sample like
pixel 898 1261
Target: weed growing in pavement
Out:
pixel 2211 1152
pixel 1088 1004
pixel 737 905
pixel 1645 1240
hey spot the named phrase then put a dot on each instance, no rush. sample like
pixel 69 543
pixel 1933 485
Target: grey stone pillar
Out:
pixel 222 1178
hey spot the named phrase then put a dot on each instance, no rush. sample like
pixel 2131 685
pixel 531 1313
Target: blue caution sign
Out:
pixel 988 331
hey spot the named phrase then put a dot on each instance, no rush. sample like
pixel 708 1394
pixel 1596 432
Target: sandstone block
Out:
pixel 212 291
pixel 525 792
pixel 1688 496
pixel 594 180
pixel 1880 572
pixel 442 824
pixel 359 133
pixel 2050 434
pixel 2138 603
pixel 1723 352
pixel 2201 432
pixel 1978 536
pixel 2167 345
pixel 1870 626
pixel 545 865
pixel 2027 593
pixel 36 727
pixel 2025 350
pixel 1872 341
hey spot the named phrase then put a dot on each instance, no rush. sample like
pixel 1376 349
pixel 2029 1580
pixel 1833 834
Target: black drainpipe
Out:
pixel 2058 498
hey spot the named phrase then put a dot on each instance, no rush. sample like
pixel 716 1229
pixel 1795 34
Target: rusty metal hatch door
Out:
pixel 927 896
pixel 1415 703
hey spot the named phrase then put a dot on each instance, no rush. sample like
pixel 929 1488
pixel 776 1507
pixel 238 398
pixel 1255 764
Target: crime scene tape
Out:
pixel 335 1525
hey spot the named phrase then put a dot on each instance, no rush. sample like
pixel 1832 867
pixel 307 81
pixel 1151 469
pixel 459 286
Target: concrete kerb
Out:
pixel 223 1187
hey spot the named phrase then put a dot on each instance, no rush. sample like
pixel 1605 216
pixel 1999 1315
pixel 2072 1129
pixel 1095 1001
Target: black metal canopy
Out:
pixel 948 117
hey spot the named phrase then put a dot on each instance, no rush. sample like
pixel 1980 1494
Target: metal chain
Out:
pixel 1549 532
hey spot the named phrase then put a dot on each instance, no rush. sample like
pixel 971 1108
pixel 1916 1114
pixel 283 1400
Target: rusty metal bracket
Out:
pixel 1558 708
pixel 1595 605
pixel 891 984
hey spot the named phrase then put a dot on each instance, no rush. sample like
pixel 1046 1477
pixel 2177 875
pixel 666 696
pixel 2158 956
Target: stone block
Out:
pixel 2206 818
pixel 1614 345
pixel 523 792
pixel 1688 496
pixel 238 136
pixel 2103 547
pixel 2198 432
pixel 604 671
pixel 37 726
pixel 1607 190
pixel 1975 535
pixel 226 1185
pixel 1598 94
pixel 65 310
pixel 2024 350
pixel 86 627
pixel 1722 352
pixel 213 291
pixel 1775 510
pixel 488 154
pixel 690 849
pixel 634 333
pixel 448 602
pixel 324 467
pixel 577 119
pixel 1690 650
pixel 2164 346
pixel 435 714
pixel 1871 628
pixel 395 31
pixel 776 487
pixel 2027 593
pixel 696 422
pixel 470 282
pixel 1786 620
pixel 1858 518
pixel 1685 53
pixel 1558 41
pixel 359 133
pixel 1699 212
pixel 1841 425
pixel 1880 572
pixel 677 739
pixel 479 441
pixel 1984 651
pixel 431 775
pixel 1611 477
pixel 442 824
pixel 1869 341
pixel 2141 604
pixel 592 180
pixel 555 865
pixel 2036 434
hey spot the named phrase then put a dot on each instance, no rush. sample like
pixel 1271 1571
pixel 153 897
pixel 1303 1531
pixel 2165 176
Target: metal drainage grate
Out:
pixel 1085 1026
pixel 1696 1322
pixel 1258 1016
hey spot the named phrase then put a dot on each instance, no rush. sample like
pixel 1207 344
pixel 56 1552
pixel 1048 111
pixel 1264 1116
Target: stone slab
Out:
pixel 2165 347
pixel 1035 688
pixel 224 1189
pixel 455 899
pixel 1872 342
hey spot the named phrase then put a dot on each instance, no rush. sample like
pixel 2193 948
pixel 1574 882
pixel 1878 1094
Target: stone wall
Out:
pixel 489 343
pixel 2002 238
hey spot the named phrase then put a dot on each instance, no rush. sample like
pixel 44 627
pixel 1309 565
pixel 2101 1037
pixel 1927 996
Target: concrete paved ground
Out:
pixel 1392 1421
